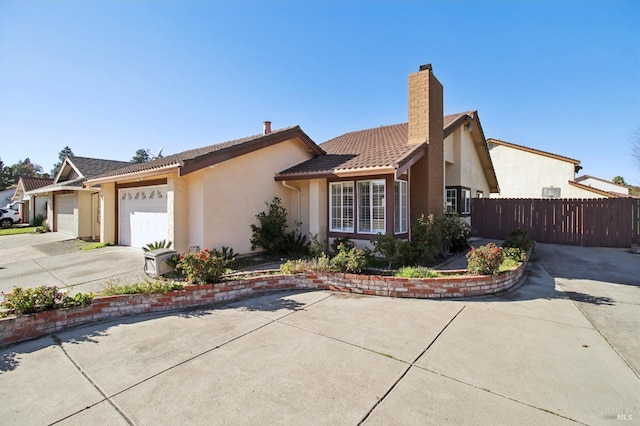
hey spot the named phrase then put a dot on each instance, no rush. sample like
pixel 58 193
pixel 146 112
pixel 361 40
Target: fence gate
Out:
pixel 607 222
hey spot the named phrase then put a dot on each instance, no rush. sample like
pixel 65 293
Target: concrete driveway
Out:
pixel 529 357
pixel 32 260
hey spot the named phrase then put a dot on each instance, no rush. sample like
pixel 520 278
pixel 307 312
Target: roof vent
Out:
pixel 266 127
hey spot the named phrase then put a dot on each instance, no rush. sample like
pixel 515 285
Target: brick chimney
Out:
pixel 266 127
pixel 426 115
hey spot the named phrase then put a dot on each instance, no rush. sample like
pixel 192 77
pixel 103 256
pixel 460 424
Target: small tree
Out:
pixel 270 233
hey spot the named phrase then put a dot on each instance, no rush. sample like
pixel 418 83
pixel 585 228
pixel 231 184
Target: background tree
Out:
pixel 635 148
pixel 66 152
pixel 6 179
pixel 141 156
pixel 25 168
pixel 619 180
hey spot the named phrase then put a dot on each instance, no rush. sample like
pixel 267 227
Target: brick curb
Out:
pixel 106 308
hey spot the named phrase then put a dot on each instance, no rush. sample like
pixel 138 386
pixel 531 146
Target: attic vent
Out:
pixel 551 192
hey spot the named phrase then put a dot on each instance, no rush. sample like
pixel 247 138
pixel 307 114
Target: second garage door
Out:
pixel 66 221
pixel 143 215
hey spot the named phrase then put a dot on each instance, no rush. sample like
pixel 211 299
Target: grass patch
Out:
pixel 93 246
pixel 16 231
pixel 144 287
pixel 417 272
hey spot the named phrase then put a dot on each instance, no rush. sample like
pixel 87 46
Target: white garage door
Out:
pixel 66 222
pixel 143 215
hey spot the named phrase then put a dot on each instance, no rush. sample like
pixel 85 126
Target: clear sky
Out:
pixel 107 77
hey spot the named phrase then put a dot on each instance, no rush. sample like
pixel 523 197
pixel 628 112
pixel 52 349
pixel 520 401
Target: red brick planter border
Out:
pixel 105 308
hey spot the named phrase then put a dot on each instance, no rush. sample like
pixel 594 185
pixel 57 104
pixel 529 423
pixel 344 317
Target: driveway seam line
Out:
pixel 635 373
pixel 93 383
pixel 406 371
pixel 541 319
pixel 270 321
pixel 499 394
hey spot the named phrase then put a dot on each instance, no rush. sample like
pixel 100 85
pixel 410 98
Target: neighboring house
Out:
pixel 469 171
pixel 525 172
pixel 603 185
pixel 32 205
pixel 73 209
pixel 206 197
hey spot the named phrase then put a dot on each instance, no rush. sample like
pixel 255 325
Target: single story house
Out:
pixel 603 185
pixel 356 185
pixel 526 172
pixel 73 209
pixel 32 205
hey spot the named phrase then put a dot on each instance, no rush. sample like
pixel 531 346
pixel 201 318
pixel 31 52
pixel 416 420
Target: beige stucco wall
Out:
pixel 215 206
pixel 107 213
pixel 87 215
pixel 463 168
pixel 523 174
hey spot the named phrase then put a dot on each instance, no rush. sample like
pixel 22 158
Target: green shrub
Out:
pixel 38 220
pixel 485 260
pixel 424 241
pixel 397 252
pixel 454 232
pixel 344 243
pixel 317 246
pixel 30 300
pixel 417 272
pixel 44 228
pixel 514 253
pixel 518 239
pixel 507 264
pixel 163 244
pixel 321 263
pixel 225 253
pixel 295 244
pixel 349 260
pixel 203 267
pixel 270 232
pixel 145 287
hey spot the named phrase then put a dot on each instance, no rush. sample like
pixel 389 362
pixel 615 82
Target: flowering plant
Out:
pixel 203 267
pixel 44 298
pixel 485 260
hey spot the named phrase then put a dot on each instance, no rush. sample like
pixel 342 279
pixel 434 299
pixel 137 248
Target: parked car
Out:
pixel 9 217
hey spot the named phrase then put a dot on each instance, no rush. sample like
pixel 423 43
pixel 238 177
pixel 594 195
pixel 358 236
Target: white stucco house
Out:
pixel 525 172
pixel 31 205
pixel 603 185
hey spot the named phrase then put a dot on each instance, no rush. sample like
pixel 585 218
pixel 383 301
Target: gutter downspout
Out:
pixel 286 185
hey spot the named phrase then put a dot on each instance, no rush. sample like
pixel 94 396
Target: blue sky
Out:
pixel 107 77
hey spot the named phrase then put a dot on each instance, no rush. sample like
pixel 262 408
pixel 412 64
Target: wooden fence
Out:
pixel 608 222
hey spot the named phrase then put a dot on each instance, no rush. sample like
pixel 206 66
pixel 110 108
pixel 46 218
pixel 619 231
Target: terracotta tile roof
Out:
pixel 533 150
pixel 384 146
pixel 225 148
pixel 30 183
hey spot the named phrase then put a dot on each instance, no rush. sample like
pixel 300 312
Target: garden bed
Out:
pixel 106 308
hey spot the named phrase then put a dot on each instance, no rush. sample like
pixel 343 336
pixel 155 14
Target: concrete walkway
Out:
pixel 530 357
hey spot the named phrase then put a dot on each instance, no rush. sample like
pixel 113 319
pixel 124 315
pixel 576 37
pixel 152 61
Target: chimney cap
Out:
pixel 425 67
pixel 266 127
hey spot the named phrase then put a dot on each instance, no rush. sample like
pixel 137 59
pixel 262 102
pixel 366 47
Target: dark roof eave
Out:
pixel 212 158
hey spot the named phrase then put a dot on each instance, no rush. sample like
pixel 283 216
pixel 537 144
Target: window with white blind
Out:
pixel 466 201
pixel 452 201
pixel 341 206
pixel 401 207
pixel 371 207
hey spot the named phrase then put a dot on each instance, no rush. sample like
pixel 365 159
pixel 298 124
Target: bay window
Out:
pixel 341 206
pixel 371 206
pixel 401 207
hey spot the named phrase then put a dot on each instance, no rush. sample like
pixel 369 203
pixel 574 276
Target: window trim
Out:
pixel 454 204
pixel 401 209
pixel 342 206
pixel 465 202
pixel 371 182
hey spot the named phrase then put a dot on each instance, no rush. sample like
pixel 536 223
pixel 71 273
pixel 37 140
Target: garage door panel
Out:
pixel 143 215
pixel 66 214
